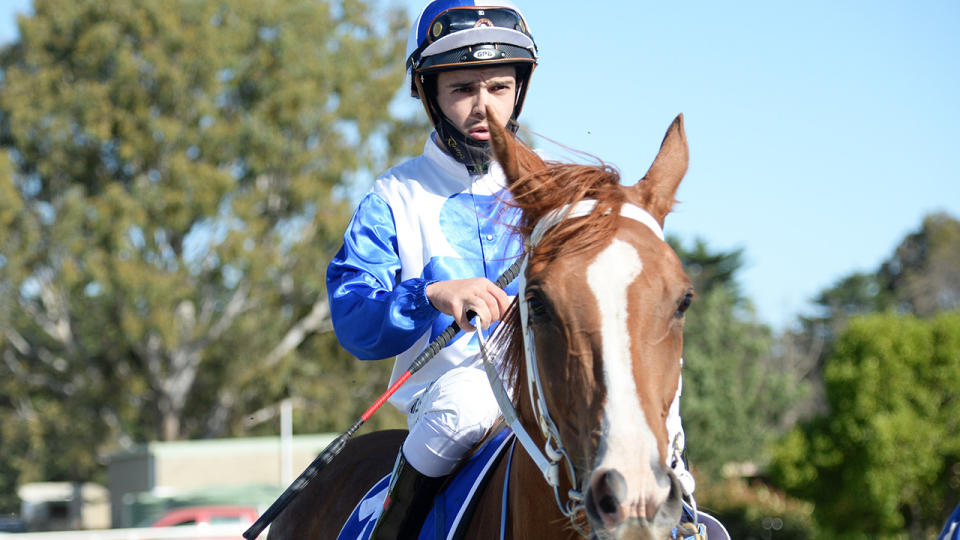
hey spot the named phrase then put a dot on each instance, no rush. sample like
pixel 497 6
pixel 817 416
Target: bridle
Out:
pixel 553 452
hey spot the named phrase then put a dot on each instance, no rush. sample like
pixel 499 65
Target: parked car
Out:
pixel 209 515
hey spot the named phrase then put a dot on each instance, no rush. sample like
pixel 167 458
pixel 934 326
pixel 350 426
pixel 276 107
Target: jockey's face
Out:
pixel 464 95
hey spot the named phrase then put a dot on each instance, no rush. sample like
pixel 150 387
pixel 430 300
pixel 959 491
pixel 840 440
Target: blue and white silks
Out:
pixel 425 220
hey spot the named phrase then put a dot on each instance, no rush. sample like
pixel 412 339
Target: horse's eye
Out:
pixel 536 305
pixel 683 305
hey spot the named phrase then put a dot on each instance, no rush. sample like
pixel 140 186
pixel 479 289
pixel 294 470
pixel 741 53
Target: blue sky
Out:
pixel 820 132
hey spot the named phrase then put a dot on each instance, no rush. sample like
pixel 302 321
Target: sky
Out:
pixel 820 132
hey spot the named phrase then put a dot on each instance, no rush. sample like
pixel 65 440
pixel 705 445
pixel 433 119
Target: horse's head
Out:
pixel 605 300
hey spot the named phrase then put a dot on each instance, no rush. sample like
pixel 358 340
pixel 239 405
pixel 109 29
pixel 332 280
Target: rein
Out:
pixel 553 452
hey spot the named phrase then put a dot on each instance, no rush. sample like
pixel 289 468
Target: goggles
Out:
pixel 458 19
pixel 485 25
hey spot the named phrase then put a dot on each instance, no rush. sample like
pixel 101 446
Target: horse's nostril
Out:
pixel 608 504
pixel 616 484
pixel 608 491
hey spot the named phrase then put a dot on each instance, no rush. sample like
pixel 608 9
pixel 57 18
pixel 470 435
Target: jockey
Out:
pixel 427 241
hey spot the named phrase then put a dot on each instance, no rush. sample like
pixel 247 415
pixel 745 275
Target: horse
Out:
pixel 601 313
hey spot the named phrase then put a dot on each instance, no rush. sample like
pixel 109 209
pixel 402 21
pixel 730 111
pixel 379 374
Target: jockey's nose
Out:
pixel 480 100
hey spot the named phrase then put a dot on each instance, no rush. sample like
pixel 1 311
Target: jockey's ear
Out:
pixel 516 158
pixel 659 186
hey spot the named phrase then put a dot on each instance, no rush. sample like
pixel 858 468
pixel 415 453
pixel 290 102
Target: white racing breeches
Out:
pixel 448 419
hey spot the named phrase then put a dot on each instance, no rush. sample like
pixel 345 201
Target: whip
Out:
pixel 337 445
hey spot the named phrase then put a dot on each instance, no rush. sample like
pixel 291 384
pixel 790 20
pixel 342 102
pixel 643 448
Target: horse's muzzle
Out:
pixel 612 516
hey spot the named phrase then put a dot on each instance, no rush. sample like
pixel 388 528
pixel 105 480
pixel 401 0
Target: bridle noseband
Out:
pixel 548 458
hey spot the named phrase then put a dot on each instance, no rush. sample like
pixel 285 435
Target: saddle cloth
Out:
pixel 450 505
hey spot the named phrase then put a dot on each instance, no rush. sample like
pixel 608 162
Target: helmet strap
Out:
pixel 474 154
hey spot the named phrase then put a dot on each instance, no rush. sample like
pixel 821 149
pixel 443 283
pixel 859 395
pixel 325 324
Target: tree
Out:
pixel 920 277
pixel 922 273
pixel 712 270
pixel 171 188
pixel 736 389
pixel 887 456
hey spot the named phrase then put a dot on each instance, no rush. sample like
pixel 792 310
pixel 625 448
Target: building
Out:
pixel 154 477
pixel 57 506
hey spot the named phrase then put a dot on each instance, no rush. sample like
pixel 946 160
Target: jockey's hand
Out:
pixel 456 297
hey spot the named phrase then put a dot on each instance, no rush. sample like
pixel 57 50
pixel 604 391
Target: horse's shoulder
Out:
pixel 327 500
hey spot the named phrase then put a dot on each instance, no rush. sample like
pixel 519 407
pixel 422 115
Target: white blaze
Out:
pixel 628 444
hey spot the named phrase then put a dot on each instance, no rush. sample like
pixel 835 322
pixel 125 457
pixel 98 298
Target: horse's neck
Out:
pixel 532 505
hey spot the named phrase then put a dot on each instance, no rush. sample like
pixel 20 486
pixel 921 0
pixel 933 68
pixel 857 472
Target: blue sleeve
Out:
pixel 951 530
pixel 375 315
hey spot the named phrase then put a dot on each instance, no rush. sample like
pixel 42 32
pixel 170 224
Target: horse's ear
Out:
pixel 516 158
pixel 659 186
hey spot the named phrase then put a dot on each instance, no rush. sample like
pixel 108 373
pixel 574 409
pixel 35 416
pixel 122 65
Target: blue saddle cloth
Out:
pixel 449 506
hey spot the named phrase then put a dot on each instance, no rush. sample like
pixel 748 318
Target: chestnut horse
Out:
pixel 593 348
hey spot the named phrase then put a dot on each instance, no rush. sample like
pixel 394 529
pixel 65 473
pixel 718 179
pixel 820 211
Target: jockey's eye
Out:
pixel 536 305
pixel 684 304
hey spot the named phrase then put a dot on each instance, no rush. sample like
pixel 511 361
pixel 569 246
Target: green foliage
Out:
pixel 711 270
pixel 919 278
pixel 754 511
pixel 171 189
pixel 922 273
pixel 736 390
pixel 887 453
pixel 857 294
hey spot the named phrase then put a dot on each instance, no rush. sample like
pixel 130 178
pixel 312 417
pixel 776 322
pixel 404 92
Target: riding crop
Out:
pixel 337 445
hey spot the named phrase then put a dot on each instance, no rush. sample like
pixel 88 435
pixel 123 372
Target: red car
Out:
pixel 209 515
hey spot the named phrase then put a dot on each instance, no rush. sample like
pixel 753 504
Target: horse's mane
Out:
pixel 536 193
pixel 558 184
